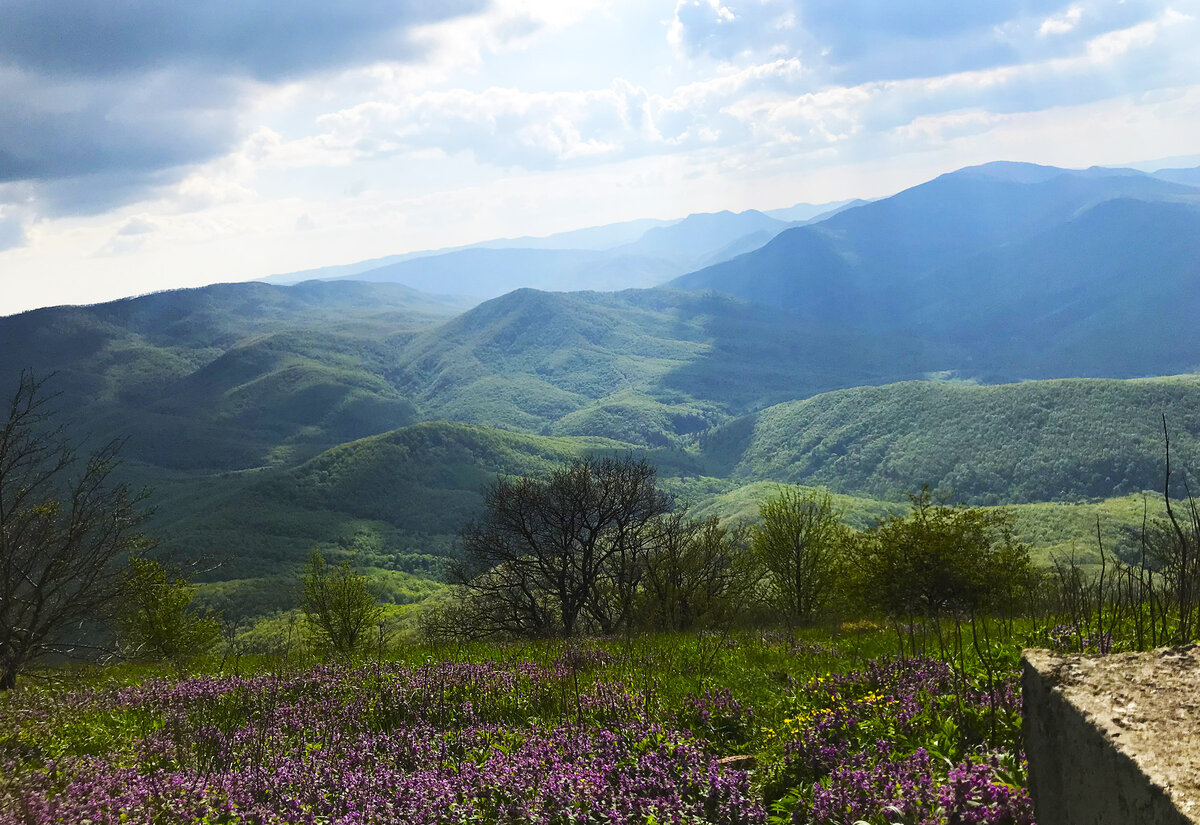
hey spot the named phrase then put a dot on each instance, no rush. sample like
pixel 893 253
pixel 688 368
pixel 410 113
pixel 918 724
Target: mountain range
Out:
pixel 998 333
pixel 631 254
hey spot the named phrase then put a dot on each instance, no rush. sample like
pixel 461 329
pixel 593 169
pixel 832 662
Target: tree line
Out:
pixel 595 547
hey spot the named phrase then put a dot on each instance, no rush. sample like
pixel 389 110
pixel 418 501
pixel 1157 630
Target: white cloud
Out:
pixel 1062 23
pixel 1111 45
pixel 754 29
pixel 138 225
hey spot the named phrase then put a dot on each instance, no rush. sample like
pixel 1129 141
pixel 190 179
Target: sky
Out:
pixel 153 144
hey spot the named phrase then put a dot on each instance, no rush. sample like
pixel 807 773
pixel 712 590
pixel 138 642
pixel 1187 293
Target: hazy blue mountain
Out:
pixel 1189 176
pixel 593 237
pixel 812 212
pixel 633 254
pixel 1110 292
pixel 659 254
pixel 697 237
pixel 489 273
pixel 740 246
pixel 1027 270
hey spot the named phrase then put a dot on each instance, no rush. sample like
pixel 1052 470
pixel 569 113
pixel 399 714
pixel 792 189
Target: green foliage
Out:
pixel 1035 441
pixel 942 560
pixel 156 619
pixel 338 607
pixel 799 543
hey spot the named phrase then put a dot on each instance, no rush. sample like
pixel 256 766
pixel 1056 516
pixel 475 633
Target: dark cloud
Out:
pixel 264 39
pixel 128 92
pixel 54 130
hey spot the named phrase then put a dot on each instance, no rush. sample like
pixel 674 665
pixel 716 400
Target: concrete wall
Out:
pixel 1113 739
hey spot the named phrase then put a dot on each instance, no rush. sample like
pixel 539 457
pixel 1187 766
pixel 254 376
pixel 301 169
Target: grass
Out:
pixel 743 727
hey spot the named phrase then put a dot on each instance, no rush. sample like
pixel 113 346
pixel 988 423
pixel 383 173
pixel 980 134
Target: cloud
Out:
pixel 543 130
pixel 138 225
pixel 251 38
pixel 140 89
pixel 12 230
pixel 506 127
pixel 774 108
pixel 857 41
pixel 1062 23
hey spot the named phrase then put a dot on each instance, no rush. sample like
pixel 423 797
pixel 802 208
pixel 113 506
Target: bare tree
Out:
pixel 554 555
pixel 1176 549
pixel 697 572
pixel 64 525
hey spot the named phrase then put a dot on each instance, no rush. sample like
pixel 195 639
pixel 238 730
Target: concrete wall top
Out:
pixel 1145 707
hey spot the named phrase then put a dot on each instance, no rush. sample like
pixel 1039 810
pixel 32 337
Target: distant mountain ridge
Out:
pixel 1030 271
pixel 631 254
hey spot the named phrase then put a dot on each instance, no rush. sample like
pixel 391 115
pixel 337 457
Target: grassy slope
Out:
pixel 1052 529
pixel 393 502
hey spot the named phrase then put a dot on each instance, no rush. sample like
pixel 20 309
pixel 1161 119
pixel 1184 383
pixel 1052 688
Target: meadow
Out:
pixel 821 726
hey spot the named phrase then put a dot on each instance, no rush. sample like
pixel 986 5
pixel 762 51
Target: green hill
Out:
pixel 393 501
pixel 1059 440
pixel 228 376
pixel 660 363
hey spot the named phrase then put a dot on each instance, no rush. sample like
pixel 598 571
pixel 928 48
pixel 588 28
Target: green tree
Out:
pixel 942 560
pixel 698 572
pixel 338 606
pixel 798 544
pixel 65 527
pixel 156 620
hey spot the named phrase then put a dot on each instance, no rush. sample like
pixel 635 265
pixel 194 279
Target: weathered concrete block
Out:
pixel 1113 739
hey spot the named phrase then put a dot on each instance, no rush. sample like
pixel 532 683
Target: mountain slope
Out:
pixel 858 262
pixel 489 273
pixel 529 358
pixel 227 376
pixel 397 499
pixel 1024 271
pixel 1108 293
pixel 1033 441
pixel 659 254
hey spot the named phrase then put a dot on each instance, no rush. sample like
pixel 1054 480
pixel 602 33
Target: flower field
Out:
pixel 748 729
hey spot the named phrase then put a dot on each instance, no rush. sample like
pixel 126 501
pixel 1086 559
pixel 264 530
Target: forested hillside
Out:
pixel 1059 440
